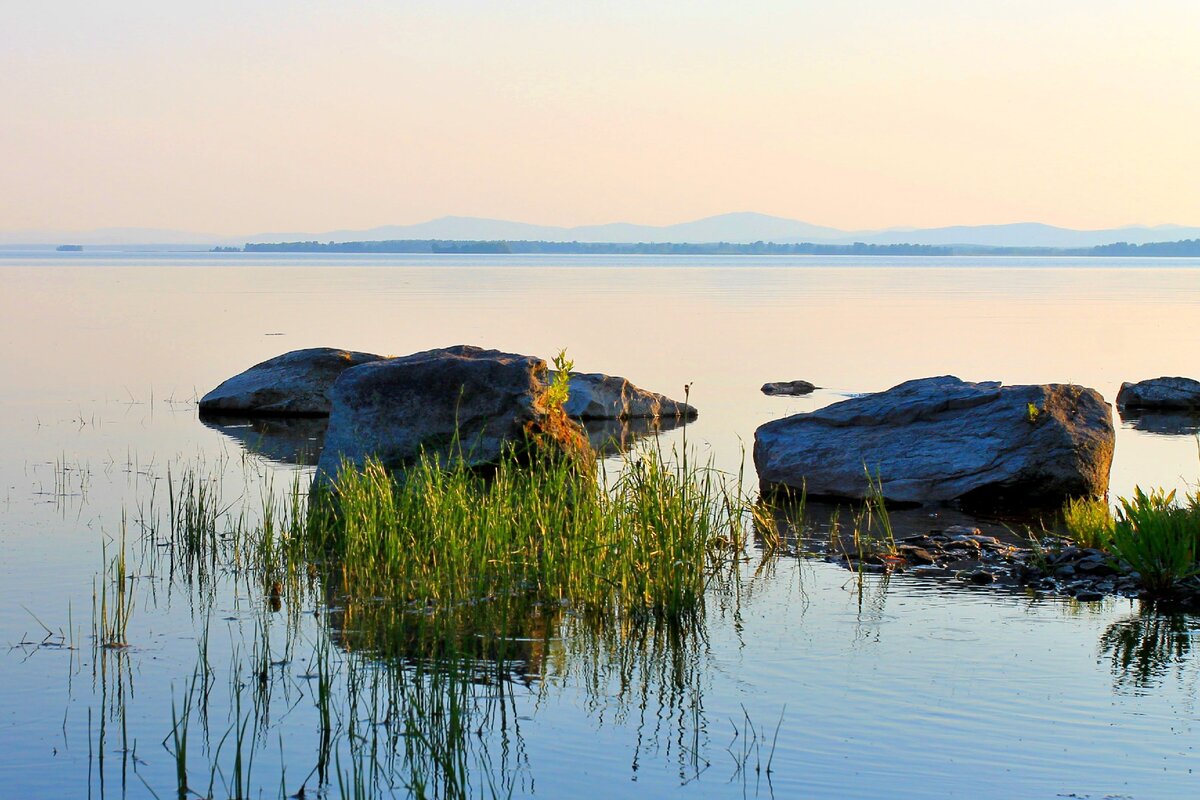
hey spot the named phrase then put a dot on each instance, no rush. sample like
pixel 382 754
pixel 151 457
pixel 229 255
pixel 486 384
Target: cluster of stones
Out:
pixel 983 446
pixel 455 402
pixel 957 550
pixel 1081 572
pixel 969 556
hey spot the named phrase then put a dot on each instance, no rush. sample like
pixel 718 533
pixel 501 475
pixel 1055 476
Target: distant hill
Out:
pixel 737 228
pixel 744 228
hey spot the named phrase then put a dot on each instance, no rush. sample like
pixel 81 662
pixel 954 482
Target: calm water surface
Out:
pixel 903 688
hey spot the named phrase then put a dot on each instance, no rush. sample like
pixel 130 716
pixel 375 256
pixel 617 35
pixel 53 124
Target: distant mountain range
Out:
pixel 735 228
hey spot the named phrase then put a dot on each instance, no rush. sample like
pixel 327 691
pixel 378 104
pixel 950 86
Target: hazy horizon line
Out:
pixel 895 228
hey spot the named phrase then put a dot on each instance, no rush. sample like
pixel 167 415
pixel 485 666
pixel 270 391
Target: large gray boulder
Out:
pixel 295 383
pixel 938 440
pixel 1179 393
pixel 455 401
pixel 594 395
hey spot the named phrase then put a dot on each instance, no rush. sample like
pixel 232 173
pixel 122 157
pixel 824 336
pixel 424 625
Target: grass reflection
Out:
pixel 1146 647
pixel 450 604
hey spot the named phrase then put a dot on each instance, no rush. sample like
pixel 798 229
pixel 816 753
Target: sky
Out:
pixel 260 115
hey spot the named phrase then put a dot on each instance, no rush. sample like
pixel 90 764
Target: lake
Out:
pixel 849 686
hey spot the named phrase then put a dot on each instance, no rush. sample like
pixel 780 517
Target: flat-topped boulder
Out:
pixel 460 401
pixel 943 440
pixel 295 383
pixel 594 395
pixel 788 388
pixel 1175 393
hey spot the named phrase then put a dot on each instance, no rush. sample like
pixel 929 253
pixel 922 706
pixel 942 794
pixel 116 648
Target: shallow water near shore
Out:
pixel 901 687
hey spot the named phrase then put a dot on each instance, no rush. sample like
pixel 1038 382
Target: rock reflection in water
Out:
pixel 287 440
pixel 820 527
pixel 1165 423
pixel 298 440
pixel 609 437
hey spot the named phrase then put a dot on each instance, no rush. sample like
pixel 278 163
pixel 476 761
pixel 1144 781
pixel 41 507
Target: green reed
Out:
pixel 439 540
pixel 1158 537
pixel 113 599
pixel 1089 522
pixel 1153 532
pixel 442 587
pixel 875 512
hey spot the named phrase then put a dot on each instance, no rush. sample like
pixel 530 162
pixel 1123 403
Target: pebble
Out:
pixel 917 555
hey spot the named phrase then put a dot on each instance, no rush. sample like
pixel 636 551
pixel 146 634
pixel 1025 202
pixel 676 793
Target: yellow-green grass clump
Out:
pixel 1156 534
pixel 448 540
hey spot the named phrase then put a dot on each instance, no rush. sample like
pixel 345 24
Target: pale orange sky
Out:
pixel 272 115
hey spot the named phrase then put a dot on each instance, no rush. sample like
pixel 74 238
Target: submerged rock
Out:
pixel 937 440
pixel 455 401
pixel 295 383
pixel 788 388
pixel 594 395
pixel 1179 393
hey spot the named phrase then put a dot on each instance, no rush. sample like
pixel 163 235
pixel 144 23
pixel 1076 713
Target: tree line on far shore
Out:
pixel 1184 248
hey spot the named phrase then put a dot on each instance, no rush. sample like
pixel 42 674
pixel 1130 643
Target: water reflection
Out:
pixel 1165 423
pixel 298 440
pixel 1147 646
pixel 460 687
pixel 287 440
pixel 610 437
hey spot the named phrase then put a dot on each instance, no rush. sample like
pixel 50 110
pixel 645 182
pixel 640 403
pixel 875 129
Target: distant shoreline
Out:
pixel 1179 249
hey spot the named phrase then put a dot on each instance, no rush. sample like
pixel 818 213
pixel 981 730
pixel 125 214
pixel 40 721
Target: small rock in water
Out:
pixel 1094 565
pixel 981 577
pixel 916 555
pixel 788 388
pixel 1067 555
pixel 1089 596
pixel 1165 392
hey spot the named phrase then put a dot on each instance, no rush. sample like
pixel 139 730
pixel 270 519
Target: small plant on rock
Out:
pixel 559 390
